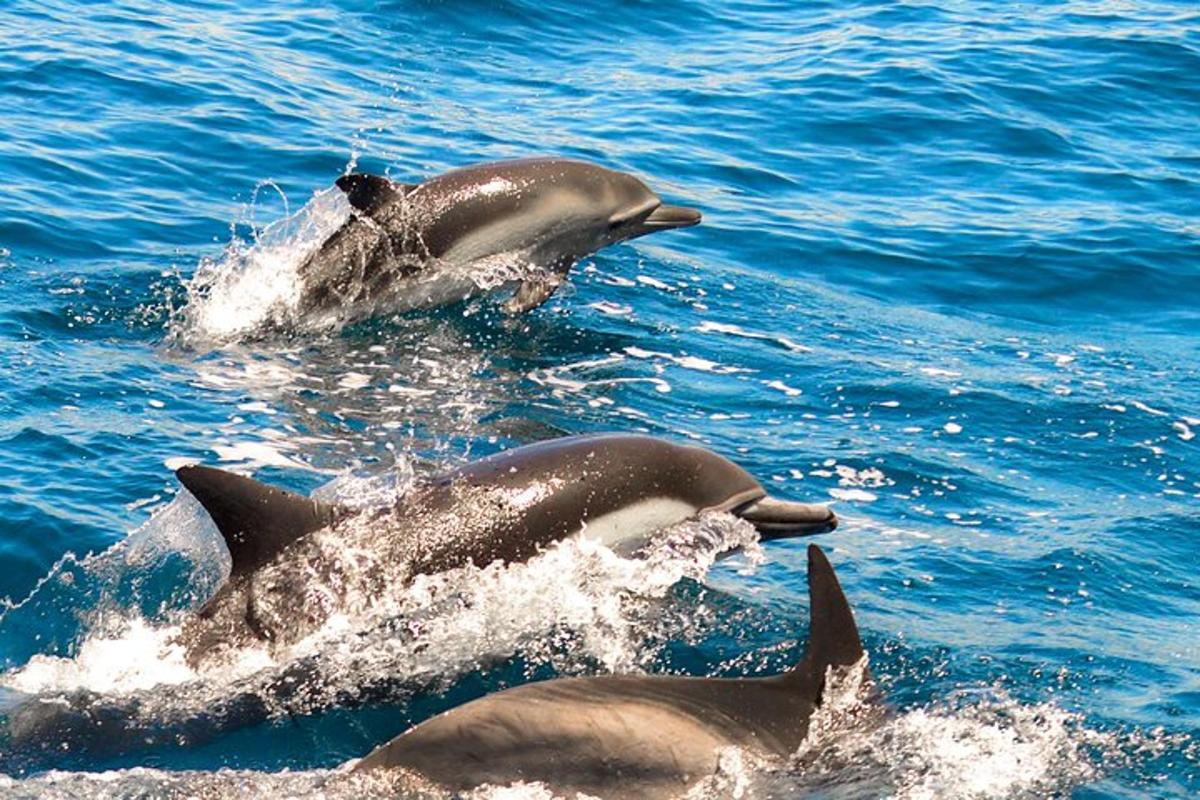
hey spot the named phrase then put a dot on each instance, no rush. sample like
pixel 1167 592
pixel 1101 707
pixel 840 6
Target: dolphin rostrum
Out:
pixel 411 246
pixel 296 561
pixel 624 736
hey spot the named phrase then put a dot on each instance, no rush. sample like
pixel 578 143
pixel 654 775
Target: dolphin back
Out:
pixel 617 469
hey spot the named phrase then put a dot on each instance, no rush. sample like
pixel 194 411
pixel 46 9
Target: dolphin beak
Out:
pixel 667 217
pixel 781 519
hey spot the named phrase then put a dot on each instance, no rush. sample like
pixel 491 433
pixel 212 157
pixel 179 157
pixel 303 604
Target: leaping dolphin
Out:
pixel 411 246
pixel 296 561
pixel 631 736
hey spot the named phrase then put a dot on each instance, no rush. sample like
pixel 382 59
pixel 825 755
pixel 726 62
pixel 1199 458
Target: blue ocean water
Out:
pixel 948 278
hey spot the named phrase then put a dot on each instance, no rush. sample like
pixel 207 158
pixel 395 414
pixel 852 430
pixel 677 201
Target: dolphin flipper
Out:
pixel 833 639
pixel 531 294
pixel 370 193
pixel 257 521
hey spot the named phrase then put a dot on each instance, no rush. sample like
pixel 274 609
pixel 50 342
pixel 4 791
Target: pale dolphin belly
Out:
pixel 434 287
pixel 632 524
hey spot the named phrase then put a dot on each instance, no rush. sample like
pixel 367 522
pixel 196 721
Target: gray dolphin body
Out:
pixel 412 246
pixel 295 560
pixel 627 736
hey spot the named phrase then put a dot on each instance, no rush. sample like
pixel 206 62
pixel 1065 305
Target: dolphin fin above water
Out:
pixel 257 521
pixel 833 639
pixel 371 193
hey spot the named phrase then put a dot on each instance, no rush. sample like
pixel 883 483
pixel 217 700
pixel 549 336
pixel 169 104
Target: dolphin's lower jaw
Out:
pixel 780 519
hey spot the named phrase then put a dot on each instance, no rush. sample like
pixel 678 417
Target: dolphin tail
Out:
pixel 833 639
pixel 780 519
pixel 256 521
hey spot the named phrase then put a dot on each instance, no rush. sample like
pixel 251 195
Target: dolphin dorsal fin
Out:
pixel 257 521
pixel 833 636
pixel 369 193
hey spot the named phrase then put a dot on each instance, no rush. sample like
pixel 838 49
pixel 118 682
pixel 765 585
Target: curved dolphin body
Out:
pixel 295 561
pixel 629 736
pixel 415 246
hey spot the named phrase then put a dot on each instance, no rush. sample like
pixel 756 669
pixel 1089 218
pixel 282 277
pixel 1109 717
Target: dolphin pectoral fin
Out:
pixel 256 521
pixel 780 519
pixel 369 193
pixel 833 639
pixel 530 294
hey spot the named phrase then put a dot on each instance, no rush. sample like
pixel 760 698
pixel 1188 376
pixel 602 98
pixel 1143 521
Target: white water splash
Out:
pixel 994 750
pixel 256 285
pixel 170 785
pixel 577 605
pixel 979 747
pixel 103 664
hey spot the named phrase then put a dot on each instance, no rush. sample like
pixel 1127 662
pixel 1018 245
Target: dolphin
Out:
pixel 296 560
pixel 623 736
pixel 409 246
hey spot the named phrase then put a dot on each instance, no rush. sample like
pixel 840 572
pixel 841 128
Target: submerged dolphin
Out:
pixel 630 736
pixel 296 561
pixel 414 246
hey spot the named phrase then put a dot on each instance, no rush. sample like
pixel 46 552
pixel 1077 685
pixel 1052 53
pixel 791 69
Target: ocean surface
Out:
pixel 948 279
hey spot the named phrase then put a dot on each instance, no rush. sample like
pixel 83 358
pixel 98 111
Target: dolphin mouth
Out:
pixel 666 217
pixel 781 519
